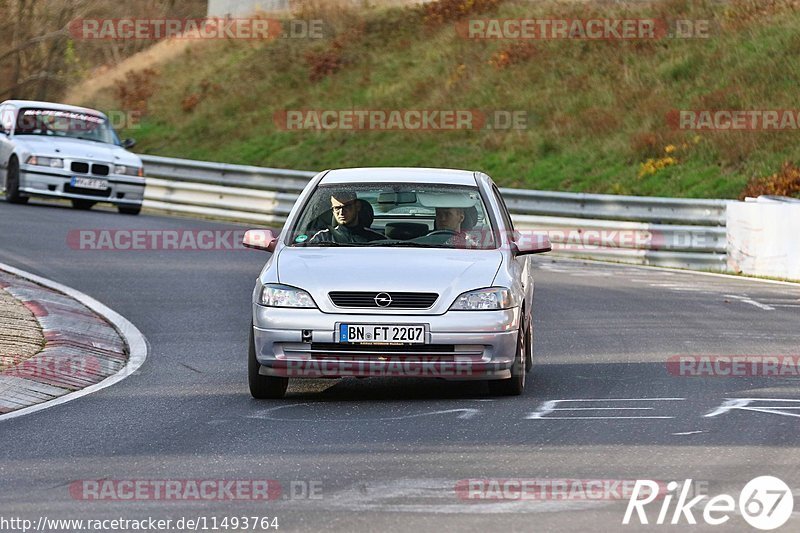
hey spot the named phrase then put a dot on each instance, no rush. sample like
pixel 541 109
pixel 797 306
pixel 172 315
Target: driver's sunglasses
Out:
pixel 348 206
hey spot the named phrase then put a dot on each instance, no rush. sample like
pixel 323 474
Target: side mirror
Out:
pixel 532 243
pixel 128 143
pixel 260 239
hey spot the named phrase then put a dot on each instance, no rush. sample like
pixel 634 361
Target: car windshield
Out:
pixel 58 123
pixel 394 215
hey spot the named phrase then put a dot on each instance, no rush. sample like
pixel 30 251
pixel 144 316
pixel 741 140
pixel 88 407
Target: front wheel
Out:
pixel 514 385
pixel 263 387
pixel 13 195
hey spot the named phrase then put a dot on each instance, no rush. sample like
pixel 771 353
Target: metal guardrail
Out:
pixel 268 179
pixel 613 207
pixel 632 229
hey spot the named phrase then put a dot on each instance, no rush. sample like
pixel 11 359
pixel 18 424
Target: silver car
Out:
pixel 394 272
pixel 62 151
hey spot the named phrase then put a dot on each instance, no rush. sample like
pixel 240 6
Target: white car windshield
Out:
pixel 391 215
pixel 59 123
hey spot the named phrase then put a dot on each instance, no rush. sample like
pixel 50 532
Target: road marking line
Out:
pixel 604 417
pixel 669 270
pixel 551 406
pixel 743 404
pixel 137 344
pixel 747 300
pixel 466 414
pixel 602 409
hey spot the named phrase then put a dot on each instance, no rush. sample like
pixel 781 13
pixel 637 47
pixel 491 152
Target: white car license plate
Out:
pixel 89 183
pixel 382 333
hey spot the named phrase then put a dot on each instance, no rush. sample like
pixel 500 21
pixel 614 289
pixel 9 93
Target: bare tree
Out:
pixel 40 57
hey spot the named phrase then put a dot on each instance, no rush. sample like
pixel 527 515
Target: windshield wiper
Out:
pixel 410 244
pixel 87 139
pixel 323 243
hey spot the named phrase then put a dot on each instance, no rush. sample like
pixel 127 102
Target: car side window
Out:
pixel 503 209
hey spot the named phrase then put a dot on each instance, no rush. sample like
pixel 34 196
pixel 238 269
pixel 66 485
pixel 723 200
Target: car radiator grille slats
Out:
pixel 83 168
pixel 399 300
pixel 102 193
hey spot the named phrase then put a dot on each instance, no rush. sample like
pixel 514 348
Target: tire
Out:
pixel 129 209
pixel 13 195
pixel 263 387
pixel 83 205
pixel 514 385
pixel 529 350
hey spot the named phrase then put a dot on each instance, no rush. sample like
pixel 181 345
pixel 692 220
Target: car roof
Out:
pixel 399 174
pixel 52 105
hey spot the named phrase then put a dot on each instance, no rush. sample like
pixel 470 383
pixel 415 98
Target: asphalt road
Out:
pixel 387 454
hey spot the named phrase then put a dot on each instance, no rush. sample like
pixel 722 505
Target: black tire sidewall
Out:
pixel 262 387
pixel 12 182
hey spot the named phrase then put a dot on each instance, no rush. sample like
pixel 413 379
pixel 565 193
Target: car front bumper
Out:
pixel 460 345
pixel 39 181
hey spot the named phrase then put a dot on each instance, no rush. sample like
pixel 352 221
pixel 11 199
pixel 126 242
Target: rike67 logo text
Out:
pixel 765 503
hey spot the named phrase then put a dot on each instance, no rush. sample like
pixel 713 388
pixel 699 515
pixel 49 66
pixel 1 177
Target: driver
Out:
pixel 452 223
pixel 349 229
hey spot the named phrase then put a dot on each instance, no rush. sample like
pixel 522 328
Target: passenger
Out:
pixel 353 216
pixel 449 219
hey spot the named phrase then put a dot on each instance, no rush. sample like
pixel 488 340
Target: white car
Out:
pixel 63 151
pixel 394 272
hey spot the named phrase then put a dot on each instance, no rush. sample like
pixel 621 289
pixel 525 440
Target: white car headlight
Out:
pixel 128 170
pixel 276 295
pixel 491 299
pixel 53 162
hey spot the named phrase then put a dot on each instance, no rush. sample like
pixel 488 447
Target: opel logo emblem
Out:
pixel 382 299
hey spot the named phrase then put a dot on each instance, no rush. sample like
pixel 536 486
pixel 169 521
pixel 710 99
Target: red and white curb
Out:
pixel 88 346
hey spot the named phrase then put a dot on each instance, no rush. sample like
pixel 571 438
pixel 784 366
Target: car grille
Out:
pixel 100 170
pixel 400 300
pixel 87 192
pixel 318 351
pixel 333 347
pixel 82 168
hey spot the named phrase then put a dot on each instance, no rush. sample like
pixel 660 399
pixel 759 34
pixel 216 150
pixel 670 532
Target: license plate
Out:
pixel 382 333
pixel 89 183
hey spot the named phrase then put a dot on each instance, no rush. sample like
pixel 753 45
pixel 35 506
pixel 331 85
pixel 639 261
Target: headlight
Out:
pixel 275 295
pixel 491 299
pixel 128 170
pixel 53 162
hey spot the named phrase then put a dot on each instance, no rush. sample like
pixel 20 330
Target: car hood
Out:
pixel 76 149
pixel 445 272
